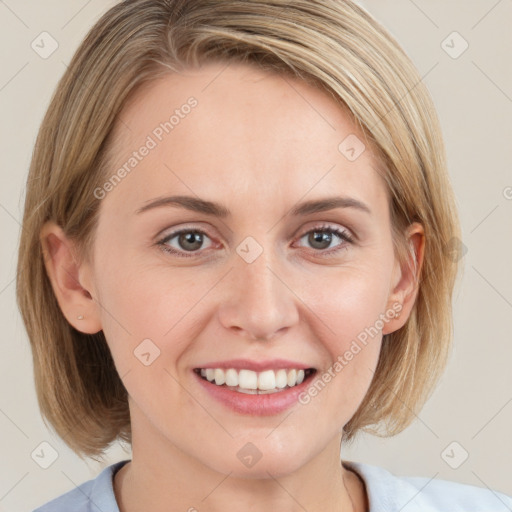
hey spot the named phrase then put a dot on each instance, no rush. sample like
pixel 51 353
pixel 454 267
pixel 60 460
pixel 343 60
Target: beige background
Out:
pixel 472 406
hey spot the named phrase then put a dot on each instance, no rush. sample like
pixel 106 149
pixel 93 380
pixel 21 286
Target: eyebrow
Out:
pixel 215 209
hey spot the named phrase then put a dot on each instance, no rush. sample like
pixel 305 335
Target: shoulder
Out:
pixel 91 496
pixel 390 493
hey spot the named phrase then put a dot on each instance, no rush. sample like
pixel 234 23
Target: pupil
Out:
pixel 191 238
pixel 321 237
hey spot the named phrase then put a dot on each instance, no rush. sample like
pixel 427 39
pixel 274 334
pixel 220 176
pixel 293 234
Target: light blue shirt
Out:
pixel 386 493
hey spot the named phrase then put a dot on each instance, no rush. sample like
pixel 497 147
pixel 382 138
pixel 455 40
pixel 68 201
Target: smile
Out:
pixel 251 382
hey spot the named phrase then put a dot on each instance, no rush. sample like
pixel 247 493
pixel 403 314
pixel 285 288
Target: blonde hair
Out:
pixel 333 44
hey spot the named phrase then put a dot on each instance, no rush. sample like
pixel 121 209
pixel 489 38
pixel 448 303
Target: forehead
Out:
pixel 235 130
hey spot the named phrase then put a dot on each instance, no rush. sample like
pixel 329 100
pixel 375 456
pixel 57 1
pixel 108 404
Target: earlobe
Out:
pixel 64 270
pixel 406 289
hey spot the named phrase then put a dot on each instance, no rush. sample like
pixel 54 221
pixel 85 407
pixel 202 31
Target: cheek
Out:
pixel 348 301
pixel 148 324
pixel 148 310
pixel 349 308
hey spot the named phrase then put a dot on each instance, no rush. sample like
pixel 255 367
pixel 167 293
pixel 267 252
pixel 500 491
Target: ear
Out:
pixel 406 279
pixel 68 278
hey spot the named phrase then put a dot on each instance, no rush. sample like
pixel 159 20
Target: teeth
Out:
pixel 281 379
pixel 247 379
pixel 292 377
pixel 231 377
pixel 251 382
pixel 267 380
pixel 220 377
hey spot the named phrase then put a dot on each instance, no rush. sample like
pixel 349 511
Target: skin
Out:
pixel 258 143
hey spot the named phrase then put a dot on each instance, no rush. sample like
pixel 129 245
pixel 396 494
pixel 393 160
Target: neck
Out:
pixel 161 477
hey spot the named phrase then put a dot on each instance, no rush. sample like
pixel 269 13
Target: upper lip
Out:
pixel 257 366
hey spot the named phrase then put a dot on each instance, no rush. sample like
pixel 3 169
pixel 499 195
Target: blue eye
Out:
pixel 190 241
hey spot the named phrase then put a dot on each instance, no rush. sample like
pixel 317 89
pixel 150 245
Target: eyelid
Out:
pixel 324 225
pixel 163 239
pixel 169 232
pixel 345 234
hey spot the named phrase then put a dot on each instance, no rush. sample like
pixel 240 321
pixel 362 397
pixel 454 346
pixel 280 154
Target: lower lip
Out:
pixel 255 405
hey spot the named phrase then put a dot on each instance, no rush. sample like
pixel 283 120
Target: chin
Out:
pixel 261 459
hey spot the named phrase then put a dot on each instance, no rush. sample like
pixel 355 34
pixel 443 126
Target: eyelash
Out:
pixel 341 233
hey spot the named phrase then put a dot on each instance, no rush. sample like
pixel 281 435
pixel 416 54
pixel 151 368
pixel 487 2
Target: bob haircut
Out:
pixel 334 45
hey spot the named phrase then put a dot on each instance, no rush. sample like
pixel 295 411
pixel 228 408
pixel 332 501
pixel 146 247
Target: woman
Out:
pixel 235 256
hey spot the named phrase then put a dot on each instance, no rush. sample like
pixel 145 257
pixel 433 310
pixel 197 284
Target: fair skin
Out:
pixel 259 147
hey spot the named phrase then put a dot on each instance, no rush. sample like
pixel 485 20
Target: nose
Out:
pixel 258 303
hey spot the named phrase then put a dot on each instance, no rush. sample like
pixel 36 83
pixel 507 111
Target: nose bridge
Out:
pixel 257 300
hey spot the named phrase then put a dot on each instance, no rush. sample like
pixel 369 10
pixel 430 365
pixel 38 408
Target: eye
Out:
pixel 187 240
pixel 321 237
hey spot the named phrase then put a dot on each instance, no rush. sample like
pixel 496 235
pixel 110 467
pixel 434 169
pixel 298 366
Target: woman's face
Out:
pixel 260 278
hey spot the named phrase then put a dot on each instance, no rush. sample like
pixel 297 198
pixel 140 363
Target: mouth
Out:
pixel 256 383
